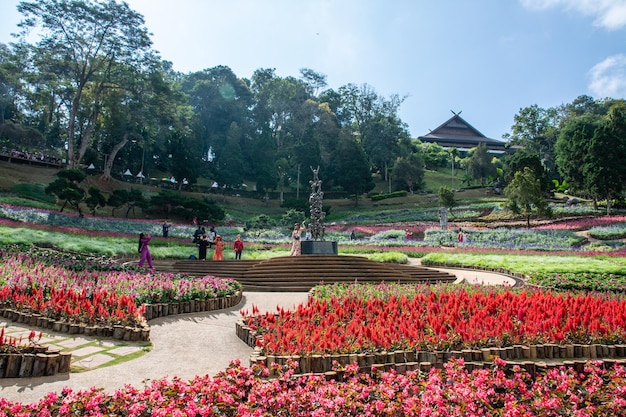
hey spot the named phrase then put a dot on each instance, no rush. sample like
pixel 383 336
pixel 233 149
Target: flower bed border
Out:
pixel 34 362
pixel 119 332
pixel 531 357
pixel 39 361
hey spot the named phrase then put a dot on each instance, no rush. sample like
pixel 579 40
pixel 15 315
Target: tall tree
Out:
pixel 573 150
pixel 525 196
pixel 351 168
pixel 82 41
pixel 526 158
pixel 604 170
pixel 480 165
pixel 536 129
pixel 409 171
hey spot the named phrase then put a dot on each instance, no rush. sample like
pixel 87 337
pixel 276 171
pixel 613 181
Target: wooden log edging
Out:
pixel 34 362
pixel 534 358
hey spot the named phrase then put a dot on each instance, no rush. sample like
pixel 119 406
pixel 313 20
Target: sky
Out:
pixel 487 59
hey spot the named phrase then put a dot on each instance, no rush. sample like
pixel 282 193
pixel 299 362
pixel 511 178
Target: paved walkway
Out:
pixel 183 346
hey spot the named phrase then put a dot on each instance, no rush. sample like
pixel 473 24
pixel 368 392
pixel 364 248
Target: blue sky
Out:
pixel 486 58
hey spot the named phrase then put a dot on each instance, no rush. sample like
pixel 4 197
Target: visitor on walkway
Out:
pixel 296 234
pixel 144 240
pixel 238 247
pixel 203 244
pixel 218 253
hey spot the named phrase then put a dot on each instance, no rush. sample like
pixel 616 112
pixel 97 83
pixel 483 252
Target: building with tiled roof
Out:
pixel 457 133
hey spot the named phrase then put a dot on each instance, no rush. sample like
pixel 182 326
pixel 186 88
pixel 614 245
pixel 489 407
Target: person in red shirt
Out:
pixel 238 247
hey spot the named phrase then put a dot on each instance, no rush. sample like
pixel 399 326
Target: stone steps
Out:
pixel 301 273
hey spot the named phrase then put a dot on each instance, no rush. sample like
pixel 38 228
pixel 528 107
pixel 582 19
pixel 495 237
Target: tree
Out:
pixel 536 129
pixel 573 149
pixel 96 199
pixel 480 165
pixel 66 187
pixel 445 197
pixel 604 170
pixel 117 199
pixel 525 196
pixel 352 171
pixel 82 42
pixel 410 172
pixel 526 158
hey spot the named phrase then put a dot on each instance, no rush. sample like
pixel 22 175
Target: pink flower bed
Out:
pixel 582 224
pixel 452 391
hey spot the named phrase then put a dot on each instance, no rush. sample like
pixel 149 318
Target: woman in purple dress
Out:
pixel 145 250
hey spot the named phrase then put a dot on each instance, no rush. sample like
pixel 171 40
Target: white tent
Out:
pixel 127 172
pixel 185 182
pixel 140 175
pixel 173 180
pixel 215 185
pixel 91 166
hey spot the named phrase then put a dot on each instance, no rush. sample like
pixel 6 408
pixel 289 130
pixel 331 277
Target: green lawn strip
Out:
pixel 104 348
pixel 530 264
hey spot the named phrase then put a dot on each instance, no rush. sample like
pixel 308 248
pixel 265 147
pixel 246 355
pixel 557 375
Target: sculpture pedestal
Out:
pixel 318 247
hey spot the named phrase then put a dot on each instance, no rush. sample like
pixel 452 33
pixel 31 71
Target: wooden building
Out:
pixel 457 133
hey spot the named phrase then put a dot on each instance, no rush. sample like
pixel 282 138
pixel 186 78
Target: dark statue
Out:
pixel 316 226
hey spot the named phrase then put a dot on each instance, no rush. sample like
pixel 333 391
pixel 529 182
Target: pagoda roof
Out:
pixel 456 132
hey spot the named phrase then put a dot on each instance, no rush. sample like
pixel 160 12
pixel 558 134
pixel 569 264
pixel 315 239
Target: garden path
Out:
pixel 183 346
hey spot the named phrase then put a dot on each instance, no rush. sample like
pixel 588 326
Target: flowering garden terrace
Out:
pixel 79 294
pixel 485 346
pixel 400 324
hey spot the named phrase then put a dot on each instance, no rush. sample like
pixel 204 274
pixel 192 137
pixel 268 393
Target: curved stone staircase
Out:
pixel 301 273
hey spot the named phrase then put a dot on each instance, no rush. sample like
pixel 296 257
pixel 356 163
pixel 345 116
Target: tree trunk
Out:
pixel 608 205
pixel 106 175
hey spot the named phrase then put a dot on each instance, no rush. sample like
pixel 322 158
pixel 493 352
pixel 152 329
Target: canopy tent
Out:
pixel 127 172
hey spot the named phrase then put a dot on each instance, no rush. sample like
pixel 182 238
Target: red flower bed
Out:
pixel 441 319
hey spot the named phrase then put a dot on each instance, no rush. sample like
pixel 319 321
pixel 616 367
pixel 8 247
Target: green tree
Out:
pixel 82 42
pixel 445 198
pixel 536 129
pixel 573 150
pixel 118 198
pixel 525 197
pixel 352 170
pixel 410 172
pixel 66 187
pixel 480 165
pixel 95 199
pixel 526 158
pixel 604 170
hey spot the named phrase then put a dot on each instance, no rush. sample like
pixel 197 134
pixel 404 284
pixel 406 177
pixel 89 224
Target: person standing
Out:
pixel 203 244
pixel 218 253
pixel 144 240
pixel 212 235
pixel 238 247
pixel 296 234
pixel 166 228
